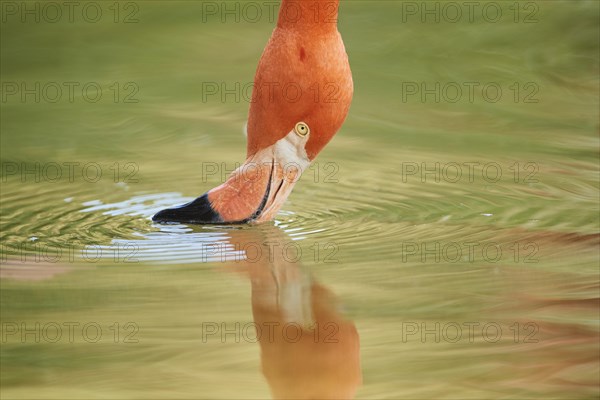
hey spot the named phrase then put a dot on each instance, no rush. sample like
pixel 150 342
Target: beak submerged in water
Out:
pixel 198 211
pixel 255 191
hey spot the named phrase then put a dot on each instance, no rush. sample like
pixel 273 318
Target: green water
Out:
pixel 423 219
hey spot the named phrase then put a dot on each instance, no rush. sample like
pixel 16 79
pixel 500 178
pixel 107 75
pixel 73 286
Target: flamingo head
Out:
pixel 301 96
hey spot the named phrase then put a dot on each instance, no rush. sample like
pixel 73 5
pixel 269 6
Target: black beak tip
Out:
pixel 198 211
pixel 163 216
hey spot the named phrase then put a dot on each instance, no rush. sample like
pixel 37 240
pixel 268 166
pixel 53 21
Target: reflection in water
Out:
pixel 308 349
pixel 33 271
pixel 546 311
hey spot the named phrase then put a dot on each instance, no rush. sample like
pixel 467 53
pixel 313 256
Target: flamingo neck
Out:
pixel 308 14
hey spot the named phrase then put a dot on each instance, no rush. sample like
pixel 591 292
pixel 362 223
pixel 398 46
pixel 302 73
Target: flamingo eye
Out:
pixel 302 129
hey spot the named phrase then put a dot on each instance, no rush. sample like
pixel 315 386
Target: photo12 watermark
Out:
pixel 294 12
pixel 68 332
pixel 270 331
pixel 51 12
pixel 69 172
pixel 487 172
pixel 490 252
pixel 468 332
pixel 268 252
pixel 470 92
pixel 455 12
pixel 50 92
pixel 34 252
pixel 270 92
pixel 327 172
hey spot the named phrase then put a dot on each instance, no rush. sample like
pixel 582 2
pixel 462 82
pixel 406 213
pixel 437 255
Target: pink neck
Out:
pixel 308 14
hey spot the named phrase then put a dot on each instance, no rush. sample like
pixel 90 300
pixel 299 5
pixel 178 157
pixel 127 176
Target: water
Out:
pixel 436 276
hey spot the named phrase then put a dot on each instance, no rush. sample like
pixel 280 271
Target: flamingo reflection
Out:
pixel 309 350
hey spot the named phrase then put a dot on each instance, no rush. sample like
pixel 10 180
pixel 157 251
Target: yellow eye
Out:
pixel 302 129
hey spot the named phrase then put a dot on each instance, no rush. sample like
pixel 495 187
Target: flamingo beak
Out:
pixel 255 191
pixel 197 211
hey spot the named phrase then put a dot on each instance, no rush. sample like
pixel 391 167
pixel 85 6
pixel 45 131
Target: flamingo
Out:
pixel 301 96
